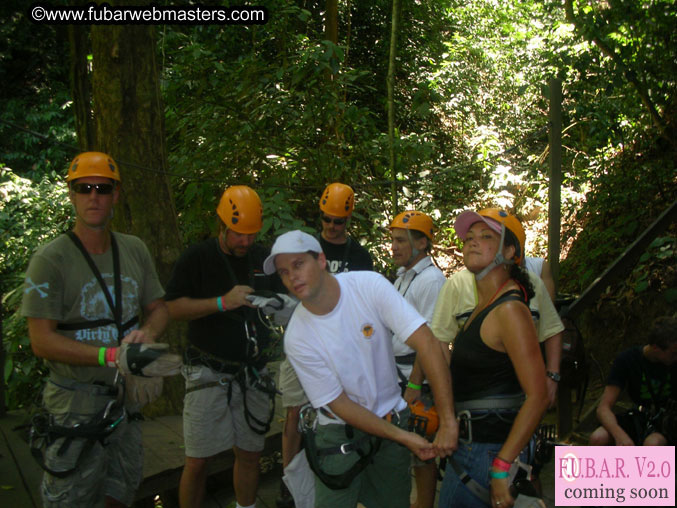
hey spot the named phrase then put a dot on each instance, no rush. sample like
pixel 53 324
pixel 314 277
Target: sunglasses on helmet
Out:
pixel 337 222
pixel 86 188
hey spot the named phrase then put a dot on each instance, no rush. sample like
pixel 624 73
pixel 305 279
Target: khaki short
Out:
pixel 114 470
pixel 211 424
pixel 290 386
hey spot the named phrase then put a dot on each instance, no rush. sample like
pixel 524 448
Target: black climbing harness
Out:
pixel 44 431
pixel 308 424
pixel 245 375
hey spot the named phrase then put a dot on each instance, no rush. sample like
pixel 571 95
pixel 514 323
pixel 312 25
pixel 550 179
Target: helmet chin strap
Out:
pixel 498 260
pixel 414 251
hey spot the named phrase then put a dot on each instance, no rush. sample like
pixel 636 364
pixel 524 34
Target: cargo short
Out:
pixel 290 386
pixel 211 423
pixel 114 470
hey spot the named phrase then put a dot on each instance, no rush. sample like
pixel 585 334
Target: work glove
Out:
pixel 147 360
pixel 276 305
pixel 141 391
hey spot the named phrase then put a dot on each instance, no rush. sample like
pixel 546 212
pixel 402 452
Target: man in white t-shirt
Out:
pixel 339 343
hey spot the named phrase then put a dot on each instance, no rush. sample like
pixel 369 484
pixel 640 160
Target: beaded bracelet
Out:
pixel 413 386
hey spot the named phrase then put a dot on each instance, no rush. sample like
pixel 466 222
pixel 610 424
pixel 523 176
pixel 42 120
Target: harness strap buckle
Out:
pixel 393 417
pixel 108 408
pixel 465 426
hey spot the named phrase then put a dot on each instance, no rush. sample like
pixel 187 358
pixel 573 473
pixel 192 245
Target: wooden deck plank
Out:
pixel 163 449
pixel 20 475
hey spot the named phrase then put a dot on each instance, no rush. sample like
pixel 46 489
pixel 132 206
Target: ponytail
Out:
pixel 521 276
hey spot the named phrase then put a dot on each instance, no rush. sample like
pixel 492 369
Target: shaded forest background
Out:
pixel 303 100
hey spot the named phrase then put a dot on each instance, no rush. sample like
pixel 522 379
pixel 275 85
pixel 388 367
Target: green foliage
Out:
pixel 34 97
pixel 656 269
pixel 30 215
pixel 279 108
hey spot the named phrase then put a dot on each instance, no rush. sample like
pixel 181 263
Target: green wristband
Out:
pixel 102 356
pixel 219 304
pixel 413 386
pixel 499 474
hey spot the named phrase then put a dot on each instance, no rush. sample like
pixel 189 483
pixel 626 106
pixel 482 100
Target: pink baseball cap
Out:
pixel 467 218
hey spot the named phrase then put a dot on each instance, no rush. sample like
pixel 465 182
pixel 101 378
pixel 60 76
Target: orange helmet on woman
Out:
pixel 418 221
pixel 497 218
pixel 93 164
pixel 338 200
pixel 241 210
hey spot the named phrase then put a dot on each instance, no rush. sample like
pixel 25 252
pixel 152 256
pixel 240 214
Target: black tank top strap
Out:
pixel 513 295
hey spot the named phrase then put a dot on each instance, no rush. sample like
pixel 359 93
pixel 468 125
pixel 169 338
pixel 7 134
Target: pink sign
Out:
pixel 615 476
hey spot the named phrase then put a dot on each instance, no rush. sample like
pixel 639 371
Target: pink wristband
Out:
pixel 110 356
pixel 501 464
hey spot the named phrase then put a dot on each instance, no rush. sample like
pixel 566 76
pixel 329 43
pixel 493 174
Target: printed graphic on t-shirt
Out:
pixel 334 265
pixel 367 330
pixel 94 306
pixel 41 289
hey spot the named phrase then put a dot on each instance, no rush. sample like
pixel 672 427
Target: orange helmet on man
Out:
pixel 338 200
pixel 241 210
pixel 413 220
pixel 93 164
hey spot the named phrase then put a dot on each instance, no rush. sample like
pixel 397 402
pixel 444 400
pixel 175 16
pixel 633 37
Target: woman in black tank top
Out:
pixel 496 355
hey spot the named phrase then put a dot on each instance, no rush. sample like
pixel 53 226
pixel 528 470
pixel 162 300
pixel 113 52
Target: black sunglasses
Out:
pixel 338 222
pixel 86 188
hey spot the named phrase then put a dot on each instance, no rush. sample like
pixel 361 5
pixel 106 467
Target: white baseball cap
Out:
pixel 292 242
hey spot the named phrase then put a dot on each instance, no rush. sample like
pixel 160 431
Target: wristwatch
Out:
pixel 554 376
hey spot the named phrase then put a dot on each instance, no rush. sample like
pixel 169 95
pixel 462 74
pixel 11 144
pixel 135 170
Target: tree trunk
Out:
pixel 390 81
pixel 331 21
pixel 80 86
pixel 129 118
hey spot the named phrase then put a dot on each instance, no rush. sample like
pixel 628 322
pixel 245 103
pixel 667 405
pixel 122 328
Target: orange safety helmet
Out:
pixel 93 164
pixel 240 209
pixel 411 219
pixel 338 199
pixel 512 224
pixel 423 419
pixel 498 217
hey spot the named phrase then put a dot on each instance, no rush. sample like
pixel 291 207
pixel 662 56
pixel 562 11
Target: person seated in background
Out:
pixel 649 374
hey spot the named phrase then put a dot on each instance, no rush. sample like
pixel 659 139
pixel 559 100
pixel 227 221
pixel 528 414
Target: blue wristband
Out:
pixel 498 475
pixel 219 304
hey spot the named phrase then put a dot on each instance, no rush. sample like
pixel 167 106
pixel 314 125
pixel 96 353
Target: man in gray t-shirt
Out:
pixel 83 293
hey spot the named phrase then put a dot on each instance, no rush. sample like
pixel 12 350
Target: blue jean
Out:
pixel 476 459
